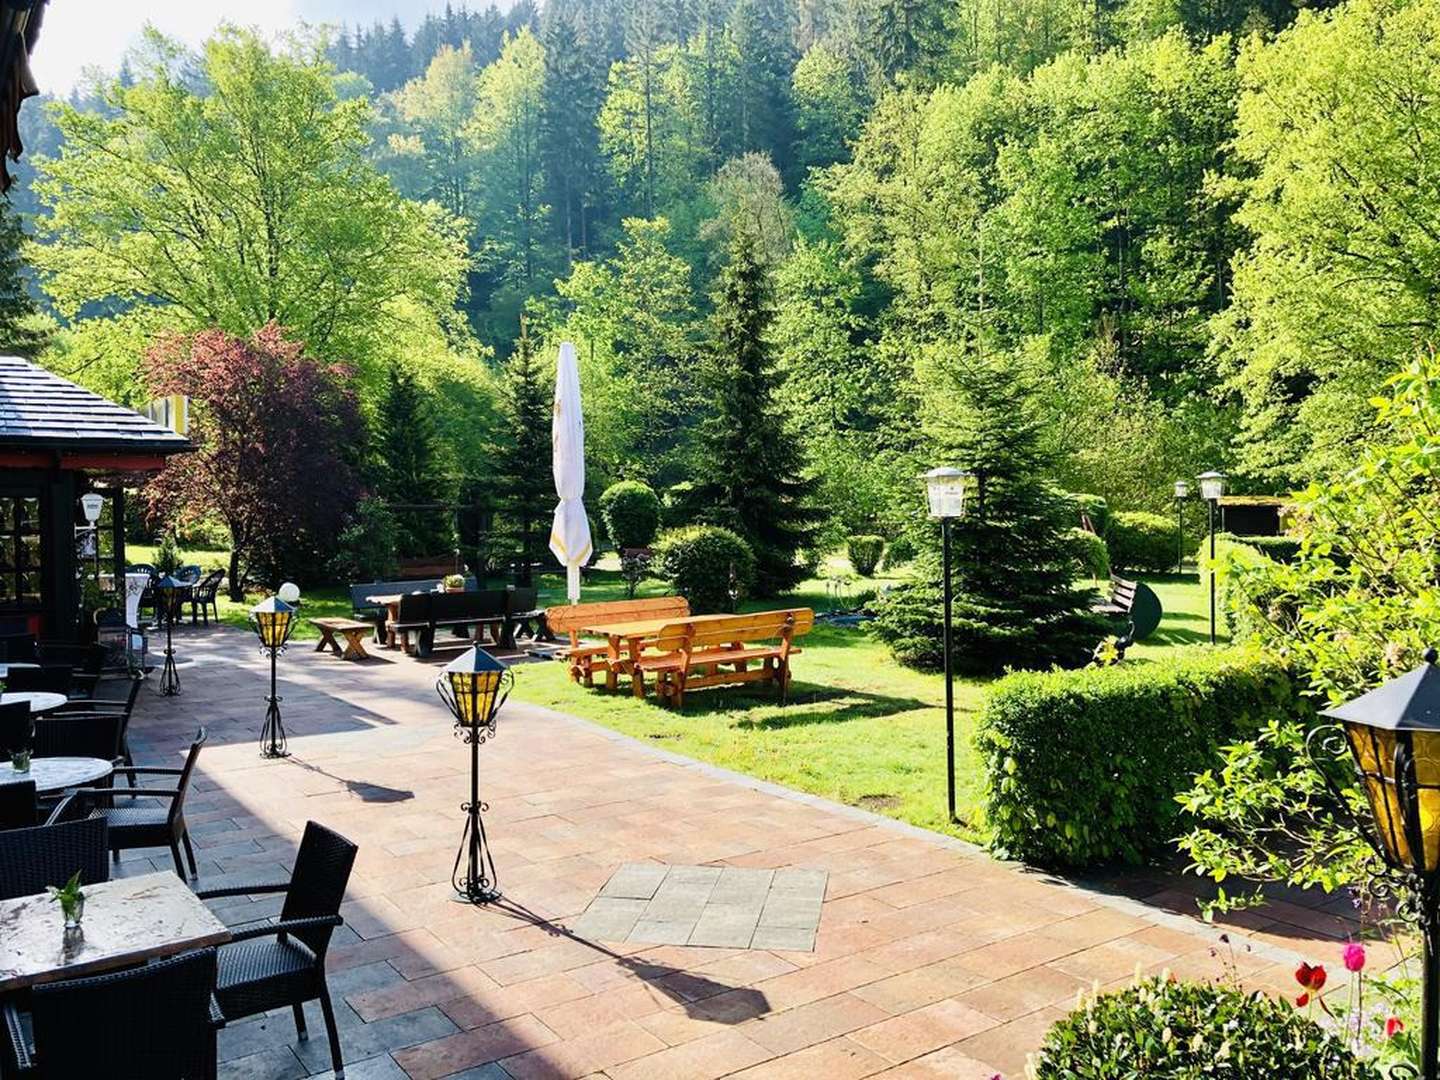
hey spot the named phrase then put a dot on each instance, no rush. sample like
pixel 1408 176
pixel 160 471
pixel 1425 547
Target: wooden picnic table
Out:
pixel 391 603
pixel 352 630
pixel 625 641
pixel 127 922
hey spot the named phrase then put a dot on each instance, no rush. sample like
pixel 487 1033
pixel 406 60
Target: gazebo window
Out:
pixel 21 562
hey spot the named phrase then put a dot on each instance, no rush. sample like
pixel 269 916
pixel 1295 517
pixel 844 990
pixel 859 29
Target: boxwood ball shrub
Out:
pixel 1142 542
pixel 864 553
pixel 631 512
pixel 1166 1030
pixel 1083 767
pixel 698 562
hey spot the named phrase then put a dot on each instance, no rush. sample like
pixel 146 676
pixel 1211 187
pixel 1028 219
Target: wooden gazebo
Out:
pixel 59 441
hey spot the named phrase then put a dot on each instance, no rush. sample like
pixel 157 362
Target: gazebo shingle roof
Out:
pixel 39 409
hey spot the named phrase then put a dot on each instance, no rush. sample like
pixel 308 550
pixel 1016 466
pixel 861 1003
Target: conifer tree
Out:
pixel 20 332
pixel 750 471
pixel 522 462
pixel 1016 600
pixel 409 469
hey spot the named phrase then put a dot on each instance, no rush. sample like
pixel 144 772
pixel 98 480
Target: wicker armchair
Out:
pixel 154 1022
pixel 17 805
pixel 255 974
pixel 17 726
pixel 99 706
pixel 95 735
pixel 50 679
pixel 137 822
pixel 31 859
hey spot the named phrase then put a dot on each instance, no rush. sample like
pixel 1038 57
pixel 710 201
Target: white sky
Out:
pixel 96 33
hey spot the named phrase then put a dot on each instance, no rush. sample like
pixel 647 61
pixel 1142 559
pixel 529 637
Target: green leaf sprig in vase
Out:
pixel 71 899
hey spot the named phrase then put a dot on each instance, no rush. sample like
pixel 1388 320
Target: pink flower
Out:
pixel 1354 956
pixel 1393 1026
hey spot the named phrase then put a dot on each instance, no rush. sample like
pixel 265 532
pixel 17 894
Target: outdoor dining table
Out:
pixel 52 774
pixel 40 701
pixel 127 922
pixel 391 603
pixel 625 641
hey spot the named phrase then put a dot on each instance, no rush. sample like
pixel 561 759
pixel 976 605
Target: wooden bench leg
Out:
pixel 324 639
pixel 355 645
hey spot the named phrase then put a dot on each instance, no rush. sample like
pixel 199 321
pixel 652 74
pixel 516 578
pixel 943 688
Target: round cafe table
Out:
pixel 39 701
pixel 57 773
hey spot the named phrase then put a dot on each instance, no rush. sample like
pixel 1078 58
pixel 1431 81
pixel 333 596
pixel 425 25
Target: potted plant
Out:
pixel 20 759
pixel 71 899
pixel 454 583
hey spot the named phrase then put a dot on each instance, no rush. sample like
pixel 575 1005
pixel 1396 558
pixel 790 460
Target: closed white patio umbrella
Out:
pixel 570 535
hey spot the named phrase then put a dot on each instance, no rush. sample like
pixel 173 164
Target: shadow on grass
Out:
pixel 840 705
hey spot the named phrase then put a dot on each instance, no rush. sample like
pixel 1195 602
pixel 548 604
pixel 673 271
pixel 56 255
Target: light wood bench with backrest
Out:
pixel 689 655
pixel 588 657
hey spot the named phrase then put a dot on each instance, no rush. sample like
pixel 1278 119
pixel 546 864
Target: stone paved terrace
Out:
pixel 931 959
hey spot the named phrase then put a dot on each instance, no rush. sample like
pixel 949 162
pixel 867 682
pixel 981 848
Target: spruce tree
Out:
pixel 20 334
pixel 409 470
pixel 751 472
pixel 1015 558
pixel 524 481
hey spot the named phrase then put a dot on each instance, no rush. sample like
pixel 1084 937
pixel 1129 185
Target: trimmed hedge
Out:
pixel 631 511
pixel 1144 542
pixel 698 562
pixel 1094 555
pixel 1236 612
pixel 1167 1030
pixel 864 553
pixel 1284 549
pixel 1083 766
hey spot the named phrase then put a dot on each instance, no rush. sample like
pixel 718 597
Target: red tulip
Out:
pixel 1393 1026
pixel 1354 956
pixel 1311 978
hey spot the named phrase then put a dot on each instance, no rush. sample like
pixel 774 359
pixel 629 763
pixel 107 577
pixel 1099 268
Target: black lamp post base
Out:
pixel 169 676
pixel 476 886
pixel 272 734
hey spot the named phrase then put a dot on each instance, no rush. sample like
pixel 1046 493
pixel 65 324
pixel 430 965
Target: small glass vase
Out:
pixel 74 912
pixel 20 761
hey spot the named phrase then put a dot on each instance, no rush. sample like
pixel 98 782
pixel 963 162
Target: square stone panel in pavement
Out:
pixel 732 907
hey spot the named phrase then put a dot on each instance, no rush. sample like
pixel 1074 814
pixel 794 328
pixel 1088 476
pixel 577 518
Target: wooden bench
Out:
pixel 588 657
pixel 352 630
pixel 690 655
pixel 488 617
pixel 362 607
pixel 1135 602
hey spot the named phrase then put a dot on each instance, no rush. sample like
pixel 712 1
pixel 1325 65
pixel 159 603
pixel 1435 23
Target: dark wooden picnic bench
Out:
pixel 1135 602
pixel 481 617
pixel 375 613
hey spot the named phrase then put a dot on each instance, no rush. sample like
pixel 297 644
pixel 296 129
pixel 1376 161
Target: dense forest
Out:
pixel 1190 234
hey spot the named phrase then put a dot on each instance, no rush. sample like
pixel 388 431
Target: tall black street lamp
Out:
pixel 945 490
pixel 474 686
pixel 1182 492
pixel 167 589
pixel 274 621
pixel 1393 733
pixel 1212 486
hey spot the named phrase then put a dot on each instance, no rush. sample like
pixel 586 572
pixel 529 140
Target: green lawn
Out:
pixel 858 729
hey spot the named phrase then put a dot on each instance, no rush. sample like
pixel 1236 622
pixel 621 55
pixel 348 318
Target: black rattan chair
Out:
pixel 137 822
pixel 148 1023
pixel 257 975
pixel 32 859
pixel 95 735
pixel 50 679
pixel 18 649
pixel 106 702
pixel 17 726
pixel 17 805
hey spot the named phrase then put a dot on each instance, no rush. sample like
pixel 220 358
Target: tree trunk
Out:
pixel 237 591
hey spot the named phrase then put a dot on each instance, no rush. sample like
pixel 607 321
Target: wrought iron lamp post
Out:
pixel 1393 733
pixel 274 621
pixel 945 490
pixel 1182 492
pixel 1212 486
pixel 474 686
pixel 168 590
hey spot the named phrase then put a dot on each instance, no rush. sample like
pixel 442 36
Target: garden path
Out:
pixel 931 958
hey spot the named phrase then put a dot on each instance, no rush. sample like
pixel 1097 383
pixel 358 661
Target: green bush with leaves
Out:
pixel 864 553
pixel 168 556
pixel 1094 510
pixel 1237 612
pixel 900 551
pixel 1142 542
pixel 1285 549
pixel 1084 767
pixel 366 548
pixel 1093 555
pixel 631 512
pixel 1166 1030
pixel 704 563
